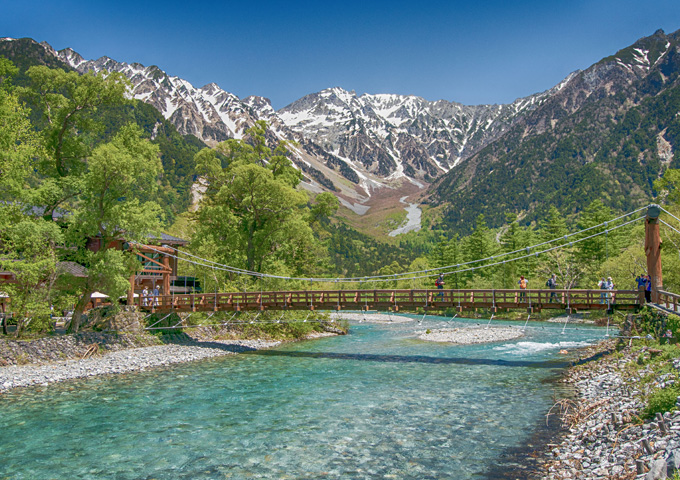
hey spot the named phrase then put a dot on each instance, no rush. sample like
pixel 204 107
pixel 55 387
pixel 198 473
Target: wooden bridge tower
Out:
pixel 653 250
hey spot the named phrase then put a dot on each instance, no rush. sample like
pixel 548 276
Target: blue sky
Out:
pixel 472 52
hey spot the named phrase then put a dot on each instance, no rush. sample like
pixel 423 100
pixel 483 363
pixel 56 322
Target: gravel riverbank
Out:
pixel 122 361
pixel 605 440
pixel 472 335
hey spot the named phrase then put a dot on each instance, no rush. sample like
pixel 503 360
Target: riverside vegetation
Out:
pixel 79 160
pixel 624 420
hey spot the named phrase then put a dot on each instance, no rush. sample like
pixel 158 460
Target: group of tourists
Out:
pixel 150 298
pixel 606 285
pixel 645 282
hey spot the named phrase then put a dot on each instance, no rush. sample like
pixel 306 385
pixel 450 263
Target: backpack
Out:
pixel 523 283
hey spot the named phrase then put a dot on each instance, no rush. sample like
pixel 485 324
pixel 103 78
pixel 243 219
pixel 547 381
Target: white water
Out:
pixel 528 348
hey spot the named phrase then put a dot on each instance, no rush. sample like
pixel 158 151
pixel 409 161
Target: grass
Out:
pixel 652 361
pixel 249 325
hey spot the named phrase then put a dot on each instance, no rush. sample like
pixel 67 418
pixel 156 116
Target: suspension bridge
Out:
pixel 160 265
pixel 396 300
pixel 400 300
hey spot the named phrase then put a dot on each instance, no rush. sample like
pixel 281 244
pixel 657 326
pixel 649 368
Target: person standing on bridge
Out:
pixel 602 285
pixel 523 284
pixel 552 285
pixel 155 294
pixel 610 287
pixel 439 283
pixel 648 289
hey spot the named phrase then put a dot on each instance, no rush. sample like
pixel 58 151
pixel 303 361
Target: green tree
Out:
pixel 28 251
pixel 119 174
pixel 392 269
pixel 668 186
pixel 68 101
pixel 251 215
pixel 511 240
pixel 480 245
pixel 19 144
pixel 593 252
pixel 561 262
pixel 554 227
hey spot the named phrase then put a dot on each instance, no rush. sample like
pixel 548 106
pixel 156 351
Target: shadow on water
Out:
pixel 527 461
pixel 367 357
pixel 184 339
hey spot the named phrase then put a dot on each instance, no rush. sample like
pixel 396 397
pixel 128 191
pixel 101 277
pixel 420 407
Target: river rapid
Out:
pixel 377 403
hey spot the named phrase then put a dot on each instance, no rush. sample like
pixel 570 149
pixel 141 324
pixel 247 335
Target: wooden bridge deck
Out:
pixel 396 300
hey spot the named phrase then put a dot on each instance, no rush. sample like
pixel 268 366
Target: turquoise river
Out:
pixel 377 403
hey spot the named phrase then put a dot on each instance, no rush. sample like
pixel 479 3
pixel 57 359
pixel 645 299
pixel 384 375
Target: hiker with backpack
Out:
pixel 552 285
pixel 439 283
pixel 523 284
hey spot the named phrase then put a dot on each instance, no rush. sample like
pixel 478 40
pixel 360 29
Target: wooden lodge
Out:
pixel 157 257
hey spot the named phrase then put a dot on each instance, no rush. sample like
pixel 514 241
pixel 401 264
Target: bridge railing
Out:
pixel 669 300
pixel 394 299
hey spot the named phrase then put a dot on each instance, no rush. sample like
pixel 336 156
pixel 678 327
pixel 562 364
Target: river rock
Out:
pixel 673 463
pixel 657 470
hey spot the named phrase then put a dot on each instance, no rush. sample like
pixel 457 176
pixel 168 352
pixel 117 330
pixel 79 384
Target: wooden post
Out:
pixel 166 275
pixel 653 250
pixel 131 292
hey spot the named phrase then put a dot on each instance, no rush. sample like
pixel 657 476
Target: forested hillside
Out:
pixel 177 151
pixel 608 134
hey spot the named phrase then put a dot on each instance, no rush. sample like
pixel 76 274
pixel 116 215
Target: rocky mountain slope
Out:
pixel 608 133
pixel 355 146
pixel 605 132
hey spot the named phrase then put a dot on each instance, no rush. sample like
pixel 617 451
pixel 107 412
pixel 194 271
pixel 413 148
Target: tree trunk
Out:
pixel 4 318
pixel 78 311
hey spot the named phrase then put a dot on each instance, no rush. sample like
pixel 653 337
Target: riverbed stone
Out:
pixel 657 470
pixel 673 462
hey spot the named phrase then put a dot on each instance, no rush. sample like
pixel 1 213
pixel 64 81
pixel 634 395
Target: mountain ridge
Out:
pixel 370 142
pixel 462 158
pixel 598 137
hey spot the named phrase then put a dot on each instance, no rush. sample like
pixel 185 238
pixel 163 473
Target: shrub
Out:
pixel 661 401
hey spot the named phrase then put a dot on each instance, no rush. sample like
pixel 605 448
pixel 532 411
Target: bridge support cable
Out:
pixel 414 274
pixel 488 324
pixel 403 275
pixel 159 321
pixel 181 320
pixel 525 323
pixel 564 327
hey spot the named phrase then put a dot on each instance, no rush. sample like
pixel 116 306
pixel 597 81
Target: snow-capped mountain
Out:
pixel 348 144
pixel 392 134
pixel 209 113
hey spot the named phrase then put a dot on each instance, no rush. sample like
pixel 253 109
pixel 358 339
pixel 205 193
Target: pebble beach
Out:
pixel 605 439
pixel 472 335
pixel 122 361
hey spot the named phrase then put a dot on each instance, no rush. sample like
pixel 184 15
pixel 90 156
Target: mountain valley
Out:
pixel 564 146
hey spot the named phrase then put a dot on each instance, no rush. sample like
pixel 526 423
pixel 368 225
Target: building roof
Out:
pixel 73 268
pixel 169 239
